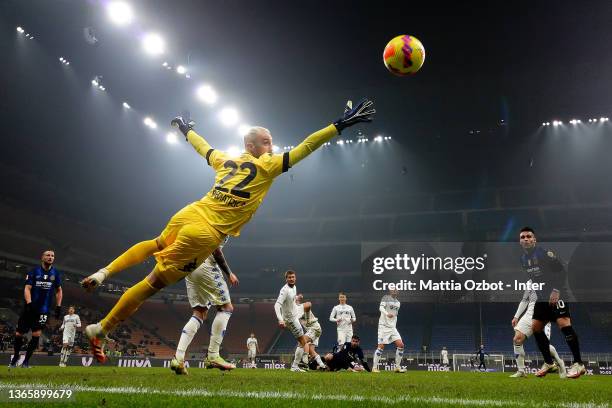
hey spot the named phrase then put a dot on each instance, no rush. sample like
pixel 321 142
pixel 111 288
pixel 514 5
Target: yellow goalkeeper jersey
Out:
pixel 241 183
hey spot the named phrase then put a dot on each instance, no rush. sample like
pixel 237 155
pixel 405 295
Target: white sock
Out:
pixel 519 355
pixel 187 335
pixel 319 361
pixel 299 352
pixel 555 356
pixel 67 354
pixel 305 358
pixel 399 353
pixel 377 355
pixel 217 332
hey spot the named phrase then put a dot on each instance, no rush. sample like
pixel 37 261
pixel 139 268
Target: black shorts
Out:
pixel 545 312
pixel 31 321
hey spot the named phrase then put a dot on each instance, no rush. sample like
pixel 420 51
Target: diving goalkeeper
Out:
pixel 197 230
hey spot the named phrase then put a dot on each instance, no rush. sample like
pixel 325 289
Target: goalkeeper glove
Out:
pixel 363 112
pixel 183 123
pixel 58 312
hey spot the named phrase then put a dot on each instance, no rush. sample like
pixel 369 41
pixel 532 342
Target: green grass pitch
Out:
pixel 149 387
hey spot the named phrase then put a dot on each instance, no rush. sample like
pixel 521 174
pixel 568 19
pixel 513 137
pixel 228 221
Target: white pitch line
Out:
pixel 196 392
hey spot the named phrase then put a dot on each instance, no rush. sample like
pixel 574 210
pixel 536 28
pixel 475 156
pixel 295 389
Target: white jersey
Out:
pixel 251 343
pixel 524 313
pixel 307 319
pixel 388 306
pixel 528 302
pixel 285 306
pixel 444 354
pixel 344 316
pixel 206 285
pixel 70 324
pixel 311 324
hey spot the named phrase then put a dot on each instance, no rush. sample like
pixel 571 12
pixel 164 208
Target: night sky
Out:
pixel 290 67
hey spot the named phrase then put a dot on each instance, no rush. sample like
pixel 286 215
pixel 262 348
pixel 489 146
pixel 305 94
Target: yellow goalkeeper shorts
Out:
pixel 189 239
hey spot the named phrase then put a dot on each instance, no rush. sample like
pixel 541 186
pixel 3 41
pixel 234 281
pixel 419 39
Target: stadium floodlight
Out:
pixel 119 12
pixel 20 30
pixel 153 44
pixel 61 59
pixel 603 119
pixel 27 35
pixel 573 121
pixel 181 70
pixel 94 82
pixel 165 64
pixel 207 94
pixel 378 139
pixel 126 105
pixel 187 76
pixel 340 142
pixel 275 148
pixel 150 123
pixel 233 151
pixel 67 62
pixel 228 116
pixel 102 88
pixel 171 138
pixel 556 122
pixel 243 129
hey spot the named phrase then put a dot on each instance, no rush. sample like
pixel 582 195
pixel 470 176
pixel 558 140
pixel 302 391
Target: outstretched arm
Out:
pixel 310 144
pixel 199 143
pixel 363 112
pixel 185 125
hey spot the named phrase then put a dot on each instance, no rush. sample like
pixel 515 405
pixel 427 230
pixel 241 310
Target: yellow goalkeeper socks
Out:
pixel 135 255
pixel 127 305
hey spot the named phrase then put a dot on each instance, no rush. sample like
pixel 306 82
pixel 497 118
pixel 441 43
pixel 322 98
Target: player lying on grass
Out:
pixel 205 288
pixel 347 356
pixel 197 230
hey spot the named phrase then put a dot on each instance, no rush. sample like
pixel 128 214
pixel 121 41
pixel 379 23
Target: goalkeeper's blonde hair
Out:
pixel 251 135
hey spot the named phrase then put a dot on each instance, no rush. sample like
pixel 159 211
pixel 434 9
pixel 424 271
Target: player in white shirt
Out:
pixel 521 322
pixel 387 331
pixel 344 316
pixel 444 356
pixel 206 287
pixel 313 331
pixel 288 318
pixel 69 325
pixel 252 349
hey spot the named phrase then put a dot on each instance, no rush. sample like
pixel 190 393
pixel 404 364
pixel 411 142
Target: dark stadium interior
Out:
pixel 469 161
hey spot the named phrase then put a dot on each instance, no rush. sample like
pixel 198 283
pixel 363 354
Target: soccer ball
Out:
pixel 404 55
